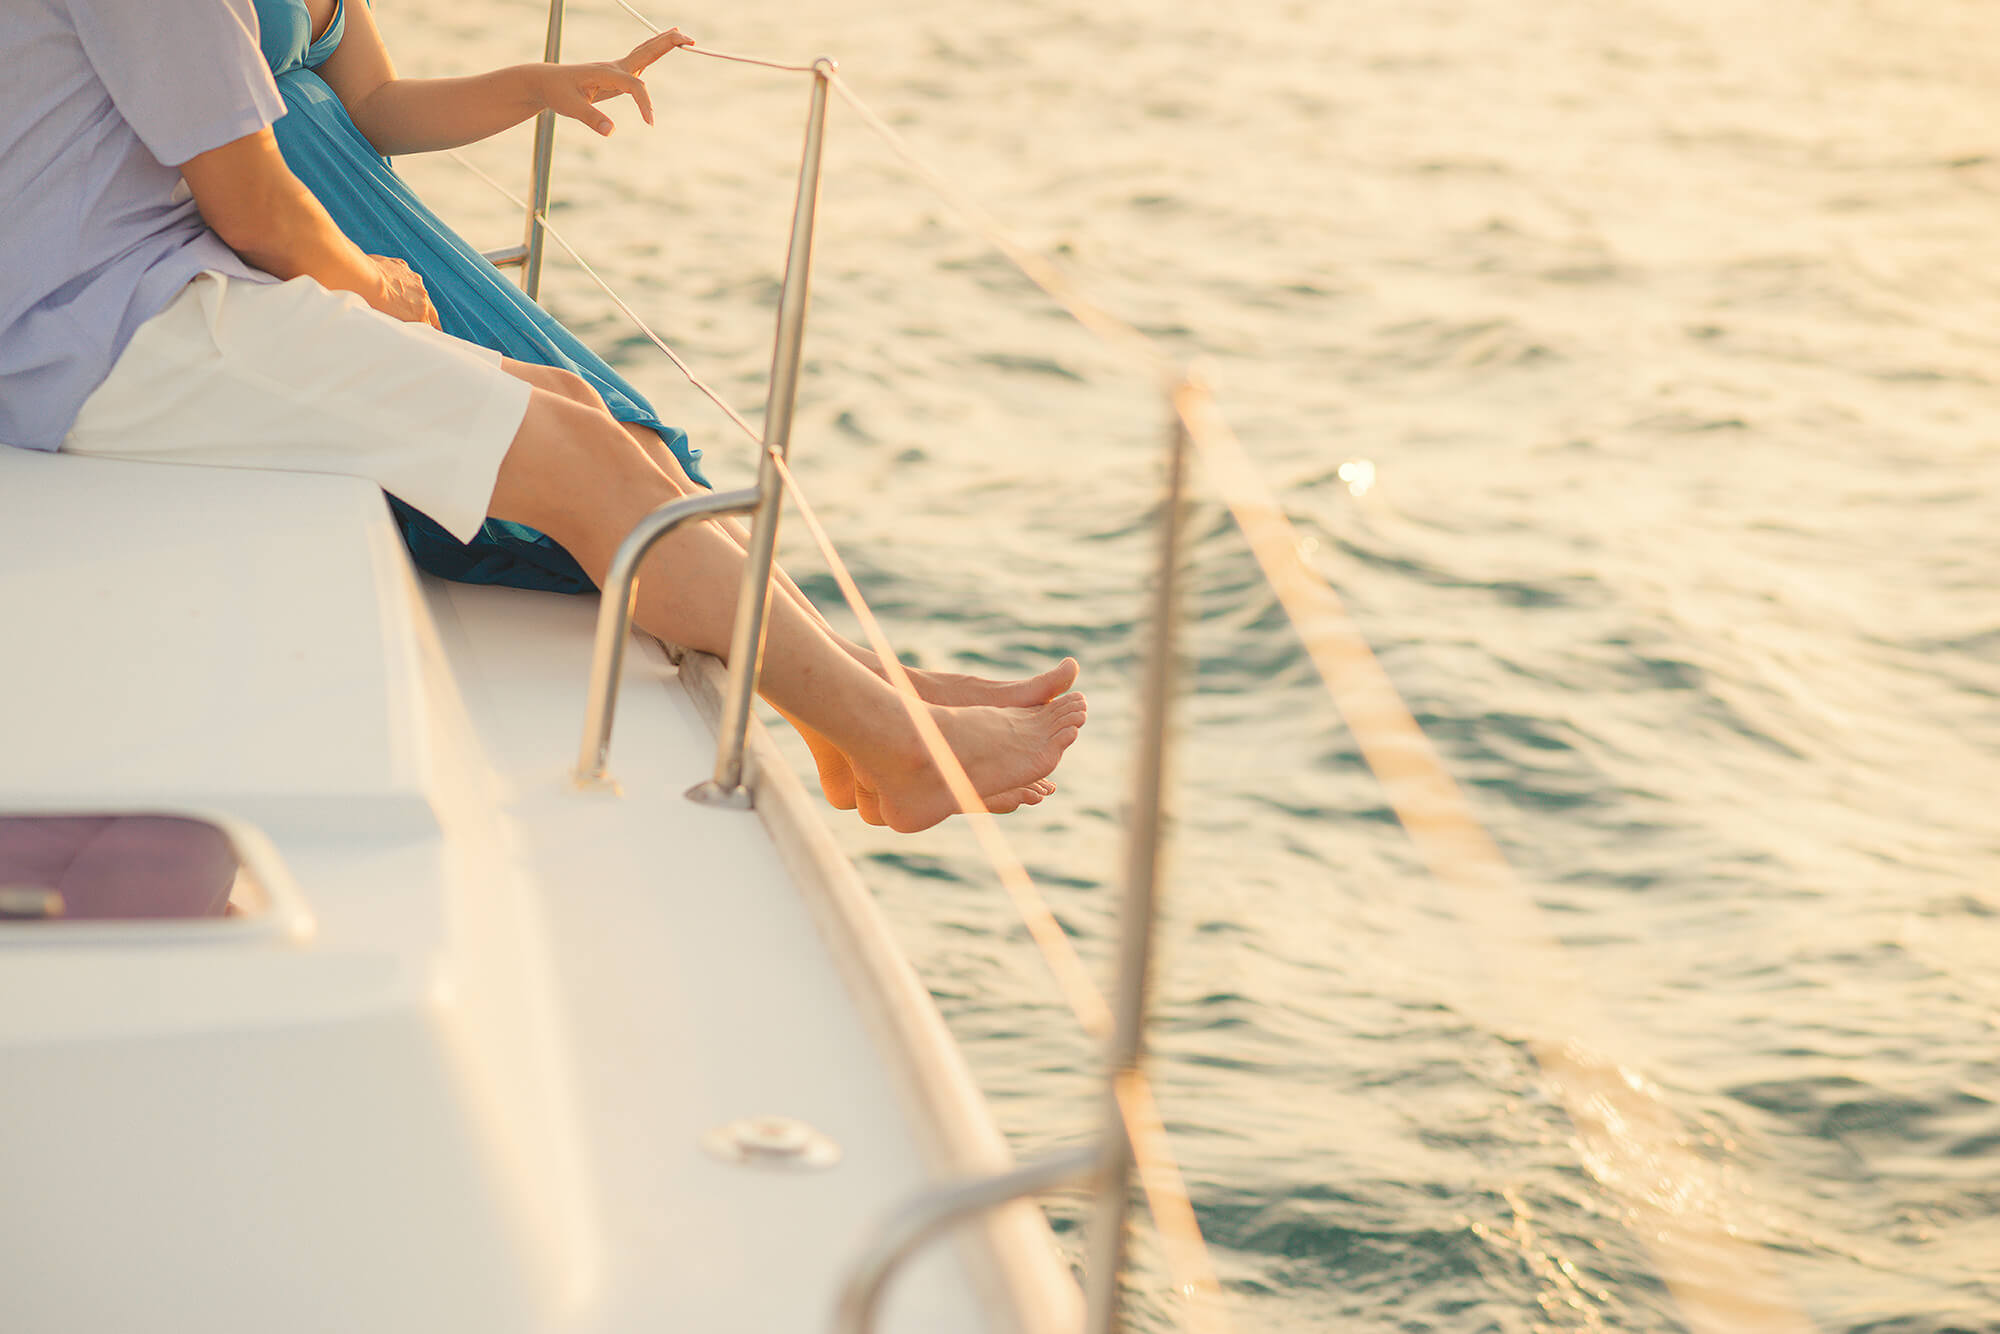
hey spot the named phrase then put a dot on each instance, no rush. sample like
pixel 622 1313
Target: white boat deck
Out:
pixel 465 1089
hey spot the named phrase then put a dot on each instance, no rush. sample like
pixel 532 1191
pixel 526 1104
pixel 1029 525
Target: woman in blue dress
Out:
pixel 347 113
pixel 345 110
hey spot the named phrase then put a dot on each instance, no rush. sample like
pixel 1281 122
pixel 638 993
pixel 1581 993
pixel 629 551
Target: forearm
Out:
pixel 425 115
pixel 293 237
pixel 261 211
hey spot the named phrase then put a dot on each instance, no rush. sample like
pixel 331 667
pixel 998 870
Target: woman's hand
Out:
pixel 403 295
pixel 571 90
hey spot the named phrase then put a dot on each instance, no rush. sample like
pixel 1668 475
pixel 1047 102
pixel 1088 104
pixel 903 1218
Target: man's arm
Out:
pixel 250 198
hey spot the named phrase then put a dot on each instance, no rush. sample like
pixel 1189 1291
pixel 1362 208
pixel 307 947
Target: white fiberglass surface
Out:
pixel 205 638
pixel 695 988
pixel 470 1090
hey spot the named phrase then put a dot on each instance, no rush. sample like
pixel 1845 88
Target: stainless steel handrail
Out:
pixel 545 147
pixel 928 1215
pixel 753 604
pixel 614 617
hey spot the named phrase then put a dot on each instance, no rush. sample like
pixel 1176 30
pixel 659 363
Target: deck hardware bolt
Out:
pixel 783 1142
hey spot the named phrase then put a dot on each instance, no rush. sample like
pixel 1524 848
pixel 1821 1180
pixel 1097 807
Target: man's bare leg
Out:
pixel 573 474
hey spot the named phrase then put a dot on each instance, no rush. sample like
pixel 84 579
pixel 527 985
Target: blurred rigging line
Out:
pixel 1633 1143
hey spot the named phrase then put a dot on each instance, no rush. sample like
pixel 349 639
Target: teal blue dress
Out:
pixel 474 301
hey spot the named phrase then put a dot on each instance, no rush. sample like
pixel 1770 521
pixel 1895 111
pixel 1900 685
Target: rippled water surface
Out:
pixel 1669 331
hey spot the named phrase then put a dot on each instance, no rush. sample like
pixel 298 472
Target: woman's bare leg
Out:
pixel 574 475
pixel 933 687
pixel 836 776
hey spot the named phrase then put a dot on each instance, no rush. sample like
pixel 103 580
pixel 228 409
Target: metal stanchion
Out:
pixel 1110 1214
pixel 746 645
pixel 1107 1164
pixel 545 147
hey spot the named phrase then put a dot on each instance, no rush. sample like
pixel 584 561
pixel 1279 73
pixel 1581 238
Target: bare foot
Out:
pixel 1005 751
pixel 1031 795
pixel 836 781
pixel 836 775
pixel 961 691
pixel 868 806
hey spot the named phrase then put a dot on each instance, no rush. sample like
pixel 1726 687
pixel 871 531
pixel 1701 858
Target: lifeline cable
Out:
pixel 717 55
pixel 620 301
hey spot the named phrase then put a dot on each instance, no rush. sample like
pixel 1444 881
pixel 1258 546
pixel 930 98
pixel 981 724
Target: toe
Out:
pixel 1003 802
pixel 1065 705
pixel 1059 677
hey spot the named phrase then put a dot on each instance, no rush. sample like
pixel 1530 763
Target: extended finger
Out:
pixel 621 82
pixel 575 101
pixel 650 50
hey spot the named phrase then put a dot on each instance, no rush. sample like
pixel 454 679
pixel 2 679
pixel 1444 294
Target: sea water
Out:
pixel 1629 367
